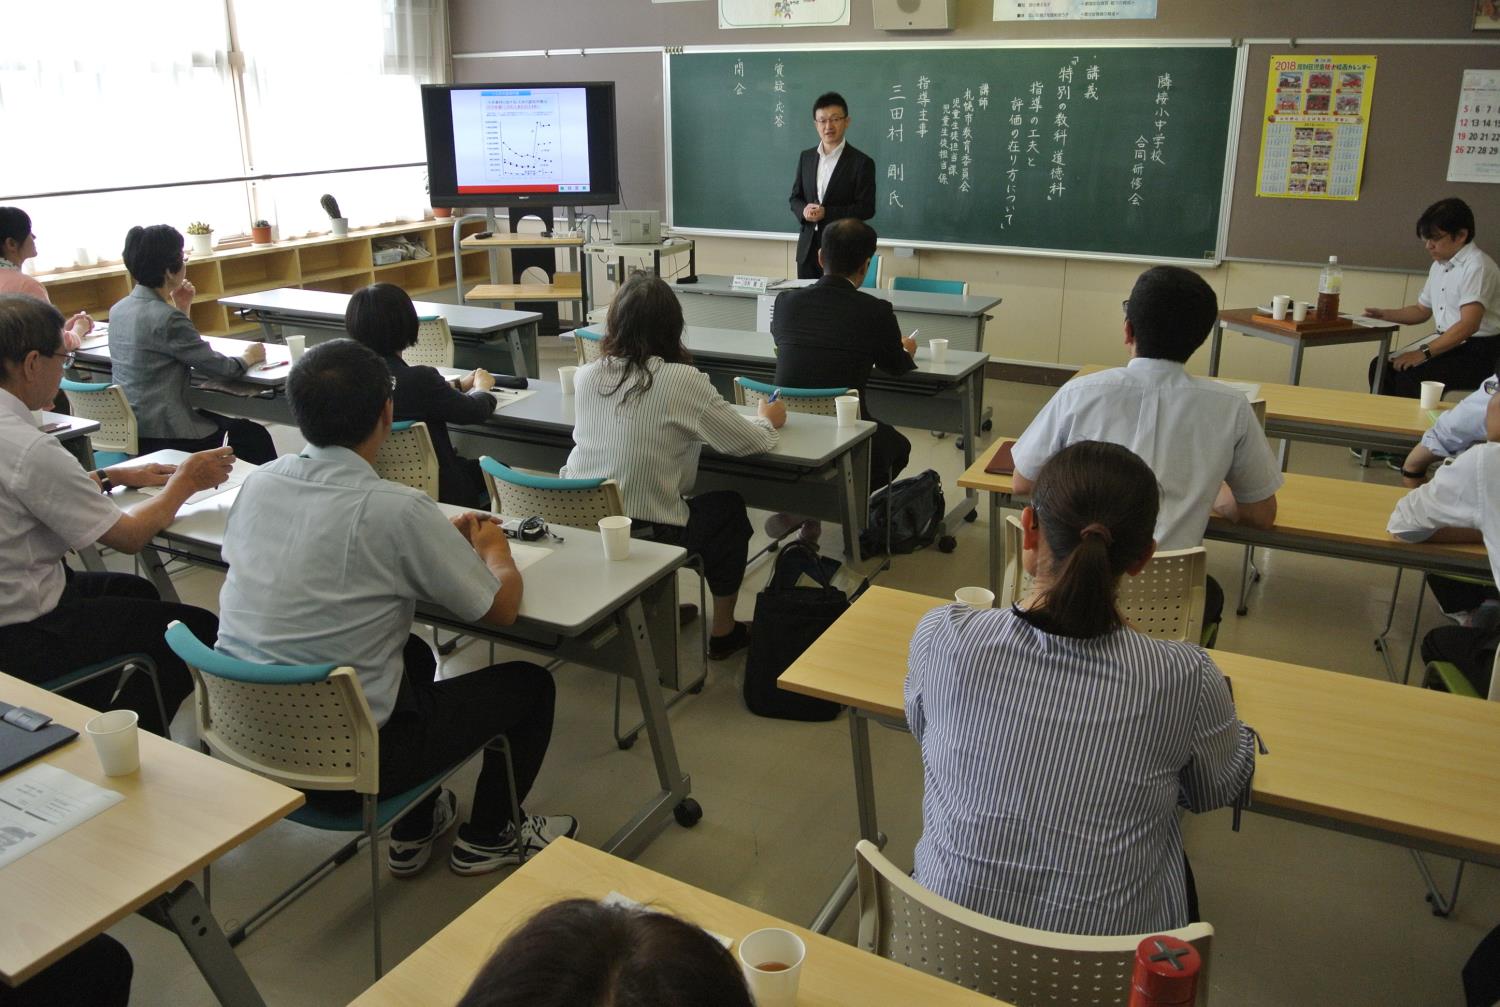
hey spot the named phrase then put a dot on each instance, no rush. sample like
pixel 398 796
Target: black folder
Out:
pixel 19 746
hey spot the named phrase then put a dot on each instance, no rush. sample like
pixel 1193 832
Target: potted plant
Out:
pixel 202 237
pixel 260 232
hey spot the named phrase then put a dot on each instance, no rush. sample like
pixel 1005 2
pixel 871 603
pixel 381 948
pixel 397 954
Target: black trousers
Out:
pixel 249 439
pixel 1464 367
pixel 1213 603
pixel 97 974
pixel 1459 595
pixel 718 531
pixel 436 724
pixel 889 453
pixel 102 616
pixel 1471 650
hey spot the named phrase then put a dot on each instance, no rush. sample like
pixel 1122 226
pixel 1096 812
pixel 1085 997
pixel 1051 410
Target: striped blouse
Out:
pixel 1053 768
pixel 650 444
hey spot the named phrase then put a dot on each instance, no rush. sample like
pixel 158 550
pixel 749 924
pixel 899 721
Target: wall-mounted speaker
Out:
pixel 908 15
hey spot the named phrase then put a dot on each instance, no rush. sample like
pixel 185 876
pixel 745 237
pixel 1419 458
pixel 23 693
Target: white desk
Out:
pixel 475 330
pixel 618 617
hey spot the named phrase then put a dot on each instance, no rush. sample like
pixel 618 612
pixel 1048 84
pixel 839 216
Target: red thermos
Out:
pixel 1166 973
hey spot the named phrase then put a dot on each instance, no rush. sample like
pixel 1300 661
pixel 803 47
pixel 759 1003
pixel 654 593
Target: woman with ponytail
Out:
pixel 1057 742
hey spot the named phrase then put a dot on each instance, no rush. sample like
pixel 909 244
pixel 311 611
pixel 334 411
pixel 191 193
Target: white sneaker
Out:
pixel 536 832
pixel 406 857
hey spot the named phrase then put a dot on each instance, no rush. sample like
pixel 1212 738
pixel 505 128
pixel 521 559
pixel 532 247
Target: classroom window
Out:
pixel 219 89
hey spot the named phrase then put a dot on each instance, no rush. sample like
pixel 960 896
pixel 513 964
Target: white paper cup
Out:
pixel 1299 311
pixel 340 226
pixel 1432 394
pixel 37 418
pixel 939 349
pixel 615 530
pixel 975 597
pixel 565 377
pixel 117 740
pixel 847 408
pixel 782 949
pixel 296 345
pixel 1279 305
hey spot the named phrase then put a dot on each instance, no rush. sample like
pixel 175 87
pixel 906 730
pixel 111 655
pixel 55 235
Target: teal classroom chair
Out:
pixel 580 503
pixel 117 439
pixel 126 665
pixel 817 401
pixel 925 286
pixel 307 727
pixel 588 344
pixel 872 275
pixel 434 345
pixel 408 457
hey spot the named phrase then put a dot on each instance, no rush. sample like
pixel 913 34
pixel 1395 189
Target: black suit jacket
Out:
pixel 851 193
pixel 831 334
pixel 423 394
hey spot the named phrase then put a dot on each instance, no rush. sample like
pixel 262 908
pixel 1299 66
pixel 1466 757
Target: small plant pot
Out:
pixel 442 212
pixel 203 244
pixel 340 226
pixel 260 235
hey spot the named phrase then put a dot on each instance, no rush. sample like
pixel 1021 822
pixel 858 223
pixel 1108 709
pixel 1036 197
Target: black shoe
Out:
pixel 736 640
pixel 686 614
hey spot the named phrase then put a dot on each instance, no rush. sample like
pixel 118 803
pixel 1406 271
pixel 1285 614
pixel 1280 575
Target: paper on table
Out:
pixel 626 902
pixel 236 476
pixel 789 284
pixel 1249 390
pixel 524 555
pixel 41 803
pixel 510 396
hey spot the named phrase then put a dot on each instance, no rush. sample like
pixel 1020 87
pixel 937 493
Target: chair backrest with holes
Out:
pixel 575 503
pixel 407 457
pixel 902 921
pixel 588 344
pixel 106 405
pixel 817 401
pixel 434 345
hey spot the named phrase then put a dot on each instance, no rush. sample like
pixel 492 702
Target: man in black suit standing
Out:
pixel 834 181
pixel 830 335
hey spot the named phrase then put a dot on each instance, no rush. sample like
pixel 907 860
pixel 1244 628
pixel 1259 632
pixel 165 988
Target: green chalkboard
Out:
pixel 1092 149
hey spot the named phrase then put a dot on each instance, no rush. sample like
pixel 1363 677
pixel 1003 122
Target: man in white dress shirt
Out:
pixel 1198 435
pixel 327 562
pixel 1461 504
pixel 834 181
pixel 1462 297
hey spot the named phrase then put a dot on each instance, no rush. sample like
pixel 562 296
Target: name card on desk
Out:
pixel 755 283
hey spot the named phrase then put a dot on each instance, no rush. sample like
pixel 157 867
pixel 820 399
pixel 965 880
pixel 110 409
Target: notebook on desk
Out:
pixel 19 746
pixel 1002 464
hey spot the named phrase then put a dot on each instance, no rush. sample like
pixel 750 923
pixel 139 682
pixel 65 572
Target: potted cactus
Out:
pixel 202 237
pixel 260 232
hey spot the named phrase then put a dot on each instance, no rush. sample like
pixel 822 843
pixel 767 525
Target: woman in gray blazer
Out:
pixel 154 347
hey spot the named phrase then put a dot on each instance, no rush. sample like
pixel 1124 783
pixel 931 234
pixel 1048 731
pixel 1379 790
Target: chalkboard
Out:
pixel 1090 149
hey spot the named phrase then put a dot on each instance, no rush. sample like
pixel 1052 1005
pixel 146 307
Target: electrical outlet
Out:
pixel 609 272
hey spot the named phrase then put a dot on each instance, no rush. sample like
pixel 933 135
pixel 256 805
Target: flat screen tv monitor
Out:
pixel 521 144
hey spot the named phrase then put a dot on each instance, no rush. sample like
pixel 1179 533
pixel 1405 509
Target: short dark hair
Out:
pixel 1448 216
pixel 634 958
pixel 337 391
pixel 15 224
pixel 1171 311
pixel 828 99
pixel 153 252
pixel 1097 505
pixel 382 317
pixel 847 245
pixel 27 324
pixel 644 321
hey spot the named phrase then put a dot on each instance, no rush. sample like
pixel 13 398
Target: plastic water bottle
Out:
pixel 1330 283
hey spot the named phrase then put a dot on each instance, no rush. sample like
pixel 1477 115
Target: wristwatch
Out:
pixel 104 484
pixel 1426 349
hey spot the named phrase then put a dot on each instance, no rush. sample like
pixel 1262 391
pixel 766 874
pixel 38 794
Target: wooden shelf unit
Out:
pixel 321 263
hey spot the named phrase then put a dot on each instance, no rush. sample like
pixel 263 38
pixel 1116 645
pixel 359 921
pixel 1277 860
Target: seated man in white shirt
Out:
pixel 54 620
pixel 327 562
pixel 1199 436
pixel 1461 504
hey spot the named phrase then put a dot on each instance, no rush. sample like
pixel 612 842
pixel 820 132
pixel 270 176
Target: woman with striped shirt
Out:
pixel 1057 742
pixel 641 414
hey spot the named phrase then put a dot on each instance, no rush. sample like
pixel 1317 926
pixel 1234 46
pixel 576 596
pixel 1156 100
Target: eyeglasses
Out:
pixel 829 120
pixel 67 358
pixel 1125 305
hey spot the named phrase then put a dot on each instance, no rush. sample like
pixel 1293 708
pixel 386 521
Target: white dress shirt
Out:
pixel 1467 278
pixel 1461 427
pixel 826 164
pixel 650 443
pixel 327 562
pixel 1465 493
pixel 48 505
pixel 1194 433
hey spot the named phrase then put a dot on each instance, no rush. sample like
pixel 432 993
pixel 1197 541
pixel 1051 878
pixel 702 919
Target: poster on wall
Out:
pixel 782 13
pixel 1074 10
pixel 1474 155
pixel 1486 15
pixel 1312 140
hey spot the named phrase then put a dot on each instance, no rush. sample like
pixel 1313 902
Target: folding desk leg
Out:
pixel 675 785
pixel 156 571
pixel 1244 606
pixel 1442 904
pixel 851 463
pixel 1216 343
pixel 997 544
pixel 517 355
pixel 184 912
pixel 864 798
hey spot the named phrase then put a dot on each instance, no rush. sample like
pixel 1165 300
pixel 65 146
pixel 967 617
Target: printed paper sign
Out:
pixel 1312 141
pixel 1474 154
pixel 1074 10
pixel 782 13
